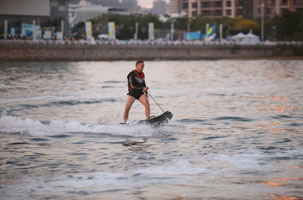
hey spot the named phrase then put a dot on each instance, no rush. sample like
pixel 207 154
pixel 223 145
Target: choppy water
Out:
pixel 237 131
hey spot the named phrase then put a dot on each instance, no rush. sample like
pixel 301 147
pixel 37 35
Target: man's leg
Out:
pixel 129 103
pixel 144 100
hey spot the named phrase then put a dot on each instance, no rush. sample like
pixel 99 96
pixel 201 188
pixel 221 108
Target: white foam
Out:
pixel 10 124
pixel 84 180
pixel 255 159
pixel 242 161
pixel 165 174
pixel 150 175
pixel 179 167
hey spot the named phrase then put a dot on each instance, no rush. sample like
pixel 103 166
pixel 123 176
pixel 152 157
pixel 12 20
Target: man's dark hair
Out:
pixel 139 61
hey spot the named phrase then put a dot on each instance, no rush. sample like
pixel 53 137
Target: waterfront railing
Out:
pixel 151 43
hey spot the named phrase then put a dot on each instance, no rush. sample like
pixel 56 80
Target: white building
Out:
pixel 174 7
pixel 85 11
pixel 129 4
pixel 159 7
pixel 48 14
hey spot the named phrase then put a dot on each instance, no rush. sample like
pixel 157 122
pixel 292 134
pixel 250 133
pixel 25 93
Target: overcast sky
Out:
pixel 147 3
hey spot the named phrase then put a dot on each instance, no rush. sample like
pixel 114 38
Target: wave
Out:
pixel 215 120
pixel 167 173
pixel 11 124
pixel 232 118
pixel 256 159
pixel 287 116
pixel 65 97
pixel 192 120
pixel 8 110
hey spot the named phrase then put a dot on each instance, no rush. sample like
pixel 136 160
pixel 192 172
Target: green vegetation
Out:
pixel 244 24
pixel 125 25
pixel 288 27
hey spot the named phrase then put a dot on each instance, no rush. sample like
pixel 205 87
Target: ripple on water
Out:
pixel 78 154
pixel 60 136
pixel 81 193
pixel 81 142
pixel 282 117
pixel 213 137
pixel 18 143
pixel 112 81
pixel 269 148
pixel 284 140
pixel 57 104
pixel 231 118
pixel 39 139
pixel 108 86
pixel 294 124
pixel 191 120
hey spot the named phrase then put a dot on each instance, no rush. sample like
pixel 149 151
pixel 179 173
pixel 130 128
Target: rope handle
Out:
pixel 155 101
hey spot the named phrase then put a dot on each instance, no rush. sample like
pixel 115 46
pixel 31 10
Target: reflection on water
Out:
pixel 236 131
pixel 279 197
pixel 273 183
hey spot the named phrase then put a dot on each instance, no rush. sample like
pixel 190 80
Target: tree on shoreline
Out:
pixel 289 26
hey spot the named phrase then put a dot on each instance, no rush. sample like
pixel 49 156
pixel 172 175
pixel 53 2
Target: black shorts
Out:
pixel 135 93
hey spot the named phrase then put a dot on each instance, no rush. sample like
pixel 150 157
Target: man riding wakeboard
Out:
pixel 136 90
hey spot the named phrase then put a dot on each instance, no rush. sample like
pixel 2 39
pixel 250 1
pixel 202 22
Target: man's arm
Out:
pixel 145 88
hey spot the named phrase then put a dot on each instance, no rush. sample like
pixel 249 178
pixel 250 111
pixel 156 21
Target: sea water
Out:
pixel 237 131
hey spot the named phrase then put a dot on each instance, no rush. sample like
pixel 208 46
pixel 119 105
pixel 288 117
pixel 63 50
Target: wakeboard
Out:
pixel 159 120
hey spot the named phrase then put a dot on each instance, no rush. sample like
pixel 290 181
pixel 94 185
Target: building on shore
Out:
pixel 84 11
pixel 114 4
pixel 159 7
pixel 298 5
pixel 47 14
pixel 106 3
pixel 129 4
pixel 251 9
pixel 213 8
pixel 174 7
pixel 275 7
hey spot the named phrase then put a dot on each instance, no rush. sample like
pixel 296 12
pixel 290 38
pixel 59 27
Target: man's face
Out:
pixel 140 67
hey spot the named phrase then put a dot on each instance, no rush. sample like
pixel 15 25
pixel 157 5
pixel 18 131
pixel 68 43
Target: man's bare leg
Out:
pixel 129 103
pixel 144 100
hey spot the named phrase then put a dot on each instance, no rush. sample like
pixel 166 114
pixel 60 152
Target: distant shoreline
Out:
pixel 31 51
